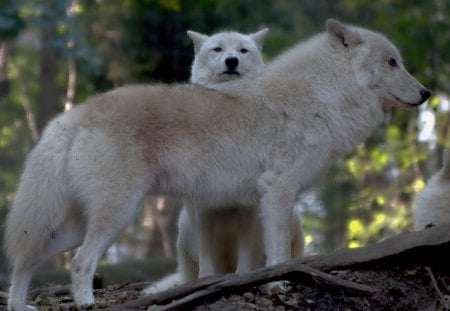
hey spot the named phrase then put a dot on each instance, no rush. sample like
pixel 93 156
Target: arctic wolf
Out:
pixel 432 205
pixel 227 61
pixel 223 239
pixel 83 181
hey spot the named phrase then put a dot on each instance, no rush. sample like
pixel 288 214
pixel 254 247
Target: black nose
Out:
pixel 231 62
pixel 425 94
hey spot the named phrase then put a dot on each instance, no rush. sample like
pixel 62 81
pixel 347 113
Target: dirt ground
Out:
pixel 408 272
pixel 411 287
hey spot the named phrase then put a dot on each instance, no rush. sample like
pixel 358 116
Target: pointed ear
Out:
pixel 258 37
pixel 341 35
pixel 445 164
pixel 198 39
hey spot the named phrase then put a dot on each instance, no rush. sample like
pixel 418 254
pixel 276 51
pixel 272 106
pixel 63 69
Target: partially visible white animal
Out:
pixel 84 179
pixel 232 241
pixel 227 61
pixel 433 202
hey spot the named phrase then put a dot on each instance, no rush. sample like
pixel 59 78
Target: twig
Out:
pixel 443 283
pixel 441 295
pixel 173 293
pixel 50 291
pixel 132 286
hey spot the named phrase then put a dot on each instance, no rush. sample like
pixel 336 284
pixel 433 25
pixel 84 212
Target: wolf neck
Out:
pixel 310 83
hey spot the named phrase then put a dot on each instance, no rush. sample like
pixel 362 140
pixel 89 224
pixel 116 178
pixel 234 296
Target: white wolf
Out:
pixel 432 205
pixel 223 239
pixel 227 61
pixel 84 179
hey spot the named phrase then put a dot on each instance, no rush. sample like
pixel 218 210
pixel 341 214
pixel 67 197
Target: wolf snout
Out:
pixel 231 62
pixel 425 94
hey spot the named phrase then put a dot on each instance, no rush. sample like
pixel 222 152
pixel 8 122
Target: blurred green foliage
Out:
pixel 365 197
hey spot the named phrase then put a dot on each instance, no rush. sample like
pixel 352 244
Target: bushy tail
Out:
pixel 42 198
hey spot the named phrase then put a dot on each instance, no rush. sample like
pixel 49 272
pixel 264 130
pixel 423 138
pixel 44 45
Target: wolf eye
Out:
pixel 392 62
pixel 217 49
pixel 244 50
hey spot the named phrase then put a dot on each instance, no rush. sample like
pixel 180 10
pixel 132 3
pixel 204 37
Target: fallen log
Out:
pixel 208 288
pixel 404 246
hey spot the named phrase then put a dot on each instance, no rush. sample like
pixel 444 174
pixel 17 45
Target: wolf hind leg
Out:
pixel 106 222
pixel 24 266
pixel 21 278
pixel 248 255
pixel 205 242
pixel 188 268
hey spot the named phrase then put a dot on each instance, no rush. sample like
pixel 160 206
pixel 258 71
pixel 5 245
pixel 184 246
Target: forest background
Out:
pixel 55 53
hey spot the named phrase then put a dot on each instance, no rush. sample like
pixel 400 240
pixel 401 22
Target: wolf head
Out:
pixel 377 64
pixel 226 56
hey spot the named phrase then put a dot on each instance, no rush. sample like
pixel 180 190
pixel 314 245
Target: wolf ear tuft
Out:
pixel 198 39
pixel 341 35
pixel 258 37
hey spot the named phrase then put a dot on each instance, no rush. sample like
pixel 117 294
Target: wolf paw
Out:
pixel 151 289
pixel 157 288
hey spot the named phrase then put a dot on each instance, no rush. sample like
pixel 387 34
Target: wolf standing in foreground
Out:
pixel 83 182
pixel 433 202
pixel 223 239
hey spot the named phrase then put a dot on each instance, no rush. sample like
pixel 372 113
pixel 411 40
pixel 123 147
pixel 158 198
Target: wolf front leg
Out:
pixel 276 206
pixel 205 229
pixel 279 187
pixel 276 213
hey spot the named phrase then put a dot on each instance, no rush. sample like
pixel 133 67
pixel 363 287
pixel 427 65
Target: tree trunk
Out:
pixel 49 92
pixel 4 82
pixel 71 84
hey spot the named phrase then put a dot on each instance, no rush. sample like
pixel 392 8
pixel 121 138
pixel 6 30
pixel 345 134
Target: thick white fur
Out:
pixel 433 202
pixel 93 165
pixel 222 239
pixel 209 67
